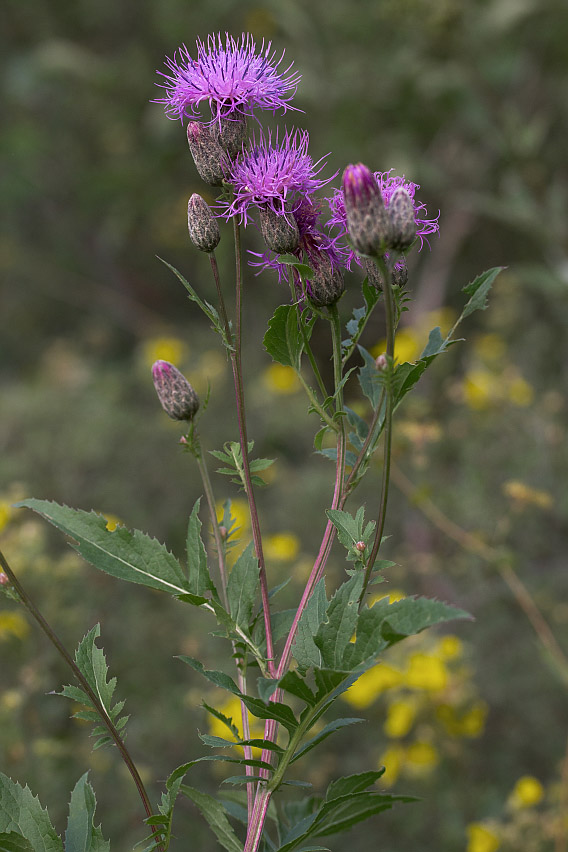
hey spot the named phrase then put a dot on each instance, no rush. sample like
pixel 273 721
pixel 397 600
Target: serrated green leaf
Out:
pixel 92 663
pixel 478 290
pixel 199 580
pixel 22 813
pixel 11 841
pixel 296 685
pixel 283 340
pixel 370 379
pixel 412 615
pixel 340 814
pixel 219 742
pixel 131 556
pixel 335 633
pixel 352 784
pixel 325 732
pixel 305 650
pixel 220 679
pixel 226 720
pixel 214 813
pixel 242 587
pixel 271 710
pixel 82 835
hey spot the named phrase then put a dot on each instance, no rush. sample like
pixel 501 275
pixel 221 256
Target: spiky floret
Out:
pixel 272 172
pixel 233 77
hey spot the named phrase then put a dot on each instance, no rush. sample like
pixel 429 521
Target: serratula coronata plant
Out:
pixel 286 669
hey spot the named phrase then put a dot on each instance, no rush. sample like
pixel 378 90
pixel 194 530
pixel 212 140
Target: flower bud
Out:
pixel 209 158
pixel 202 225
pixel 381 362
pixel 373 273
pixel 280 231
pixel 360 546
pixel 400 273
pixel 326 285
pixel 177 397
pixel 402 220
pixel 230 133
pixel 367 220
pixel 4 579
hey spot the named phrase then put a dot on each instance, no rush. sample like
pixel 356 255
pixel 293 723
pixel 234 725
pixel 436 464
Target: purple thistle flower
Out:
pixel 232 77
pixel 271 173
pixel 387 184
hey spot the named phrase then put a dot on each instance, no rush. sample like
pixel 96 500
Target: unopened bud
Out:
pixel 280 231
pixel 209 158
pixel 361 546
pixel 381 362
pixel 402 220
pixel 367 220
pixel 223 532
pixel 230 133
pixel 177 397
pixel 373 273
pixel 326 285
pixel 4 579
pixel 400 273
pixel 202 225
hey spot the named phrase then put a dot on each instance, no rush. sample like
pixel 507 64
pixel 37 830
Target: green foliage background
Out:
pixel 467 98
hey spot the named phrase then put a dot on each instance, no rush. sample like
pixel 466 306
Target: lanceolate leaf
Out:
pixel 214 813
pixel 283 340
pixel 325 732
pixel 242 587
pixel 93 666
pixel 131 556
pixel 478 290
pixel 199 580
pixel 218 678
pixel 81 834
pixel 335 633
pixel 21 813
pixel 306 651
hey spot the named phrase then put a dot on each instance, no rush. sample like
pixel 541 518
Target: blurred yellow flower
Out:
pixel 5 513
pixel 170 349
pixel 112 521
pixel 426 672
pixel 490 347
pixel 371 684
pixel 523 495
pixel 469 724
pixel 421 758
pixel 407 346
pixel 393 596
pixel 481 389
pixel 13 624
pixel 239 511
pixel 449 647
pixel 520 392
pixel 393 760
pixel 281 547
pixel 528 791
pixel 11 699
pixel 400 717
pixel 481 839
pixel 280 379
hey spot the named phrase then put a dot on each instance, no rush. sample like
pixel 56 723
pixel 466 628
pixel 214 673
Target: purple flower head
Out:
pixel 176 395
pixel 387 184
pixel 232 77
pixel 271 173
pixel 314 248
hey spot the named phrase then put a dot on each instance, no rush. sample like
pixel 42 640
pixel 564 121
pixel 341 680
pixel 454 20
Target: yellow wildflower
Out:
pixel 523 495
pixel 393 760
pixel 393 595
pixel 371 684
pixel 170 349
pixel 450 647
pixel 11 699
pixel 528 791
pixel 281 547
pixel 400 717
pixel 469 724
pixel 407 346
pixel 490 347
pixel 5 513
pixel 280 379
pixel 481 839
pixel 421 757
pixel 427 672
pixel 13 624
pixel 481 389
pixel 520 392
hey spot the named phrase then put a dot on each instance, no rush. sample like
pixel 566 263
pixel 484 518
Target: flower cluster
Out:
pixel 272 179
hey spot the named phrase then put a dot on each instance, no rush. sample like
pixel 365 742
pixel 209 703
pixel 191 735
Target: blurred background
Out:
pixel 468 99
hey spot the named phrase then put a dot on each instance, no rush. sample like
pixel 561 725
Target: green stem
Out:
pixel 365 451
pixel 390 329
pixel 316 405
pixel 105 718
